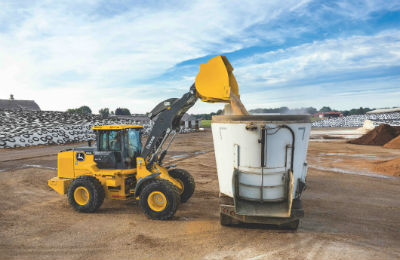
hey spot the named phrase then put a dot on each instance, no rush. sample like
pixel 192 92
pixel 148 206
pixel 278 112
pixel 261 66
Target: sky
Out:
pixel 134 54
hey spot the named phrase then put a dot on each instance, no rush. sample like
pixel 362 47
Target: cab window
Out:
pixel 114 141
pixel 110 141
pixel 133 144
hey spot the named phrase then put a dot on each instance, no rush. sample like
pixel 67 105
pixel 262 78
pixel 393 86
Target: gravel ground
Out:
pixel 347 215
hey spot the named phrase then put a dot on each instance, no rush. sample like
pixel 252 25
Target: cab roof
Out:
pixel 115 127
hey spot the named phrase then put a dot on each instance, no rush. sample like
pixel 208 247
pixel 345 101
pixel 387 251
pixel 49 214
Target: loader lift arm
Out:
pixel 214 83
pixel 167 115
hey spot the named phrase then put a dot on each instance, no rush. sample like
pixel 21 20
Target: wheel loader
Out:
pixel 120 168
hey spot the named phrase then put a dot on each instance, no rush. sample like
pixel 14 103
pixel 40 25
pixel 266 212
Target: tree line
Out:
pixel 312 110
pixel 286 110
pixel 104 112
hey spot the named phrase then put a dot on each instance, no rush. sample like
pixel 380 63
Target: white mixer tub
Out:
pixel 261 164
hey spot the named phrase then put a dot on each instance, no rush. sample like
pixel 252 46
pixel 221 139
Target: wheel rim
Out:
pixel 157 201
pixel 183 186
pixel 81 195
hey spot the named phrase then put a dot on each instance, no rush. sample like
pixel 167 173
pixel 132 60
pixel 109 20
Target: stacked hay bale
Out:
pixel 27 128
pixel 358 120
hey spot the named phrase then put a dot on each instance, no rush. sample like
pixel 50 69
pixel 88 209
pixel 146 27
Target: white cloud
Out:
pixel 65 54
pixel 345 73
pixel 61 56
pixel 318 59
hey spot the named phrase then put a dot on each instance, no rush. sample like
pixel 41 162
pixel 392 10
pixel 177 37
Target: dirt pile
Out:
pixel 394 143
pixel 378 136
pixel 390 167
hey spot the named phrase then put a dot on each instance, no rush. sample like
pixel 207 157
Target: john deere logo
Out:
pixel 80 156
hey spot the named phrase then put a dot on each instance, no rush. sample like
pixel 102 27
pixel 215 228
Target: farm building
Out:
pixel 386 111
pixel 13 104
pixel 190 122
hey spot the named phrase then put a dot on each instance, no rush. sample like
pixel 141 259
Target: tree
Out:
pixel 325 109
pixel 85 110
pixel 81 110
pixel 311 110
pixel 104 112
pixel 122 112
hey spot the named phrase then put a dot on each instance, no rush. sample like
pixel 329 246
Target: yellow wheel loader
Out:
pixel 120 168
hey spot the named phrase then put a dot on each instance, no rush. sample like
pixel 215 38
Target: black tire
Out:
pixel 225 220
pixel 294 225
pixel 95 190
pixel 170 193
pixel 185 178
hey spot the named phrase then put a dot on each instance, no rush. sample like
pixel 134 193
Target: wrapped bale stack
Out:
pixel 358 120
pixel 22 128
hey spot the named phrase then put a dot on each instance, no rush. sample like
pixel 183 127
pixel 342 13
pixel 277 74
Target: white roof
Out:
pixel 388 110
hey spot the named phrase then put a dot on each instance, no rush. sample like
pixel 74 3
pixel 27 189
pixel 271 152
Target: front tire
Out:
pixel 186 180
pixel 85 194
pixel 159 199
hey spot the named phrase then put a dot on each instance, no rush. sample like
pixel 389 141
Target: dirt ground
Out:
pixel 350 212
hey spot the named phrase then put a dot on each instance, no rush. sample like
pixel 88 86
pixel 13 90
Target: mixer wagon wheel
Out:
pixel 225 220
pixel 159 199
pixel 186 180
pixel 85 194
pixel 294 225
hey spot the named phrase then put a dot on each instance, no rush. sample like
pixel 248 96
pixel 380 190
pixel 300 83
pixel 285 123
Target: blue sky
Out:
pixel 134 54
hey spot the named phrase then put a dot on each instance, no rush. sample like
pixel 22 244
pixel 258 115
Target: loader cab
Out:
pixel 117 146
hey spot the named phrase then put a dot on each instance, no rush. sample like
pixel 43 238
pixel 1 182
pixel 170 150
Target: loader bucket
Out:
pixel 215 82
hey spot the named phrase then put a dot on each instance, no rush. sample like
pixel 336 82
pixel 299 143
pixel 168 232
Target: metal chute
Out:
pixel 215 82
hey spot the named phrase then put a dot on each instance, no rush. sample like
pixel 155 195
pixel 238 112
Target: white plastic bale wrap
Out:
pixel 21 128
pixel 240 148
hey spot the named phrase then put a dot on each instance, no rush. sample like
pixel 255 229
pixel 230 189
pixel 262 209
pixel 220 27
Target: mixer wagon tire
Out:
pixel 294 225
pixel 186 180
pixel 85 194
pixel 159 199
pixel 225 220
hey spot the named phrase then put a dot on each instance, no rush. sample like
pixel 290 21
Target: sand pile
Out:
pixel 378 136
pixel 391 167
pixel 394 143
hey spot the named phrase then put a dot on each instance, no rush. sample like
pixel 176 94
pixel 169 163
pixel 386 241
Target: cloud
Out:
pixel 65 54
pixel 321 59
pixel 70 47
pixel 337 72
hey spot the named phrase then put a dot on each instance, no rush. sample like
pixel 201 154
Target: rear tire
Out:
pixel 294 225
pixel 186 179
pixel 159 199
pixel 85 194
pixel 225 220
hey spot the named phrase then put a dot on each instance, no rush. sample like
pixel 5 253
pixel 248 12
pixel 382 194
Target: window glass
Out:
pixel 114 141
pixel 103 141
pixel 134 143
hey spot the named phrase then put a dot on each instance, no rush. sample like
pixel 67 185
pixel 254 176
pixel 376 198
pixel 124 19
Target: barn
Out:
pixel 14 104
